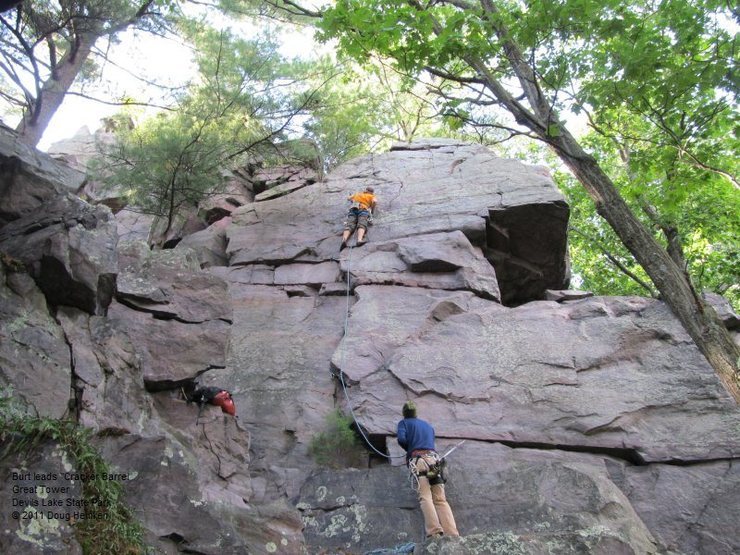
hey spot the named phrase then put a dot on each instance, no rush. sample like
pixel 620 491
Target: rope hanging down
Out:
pixel 341 365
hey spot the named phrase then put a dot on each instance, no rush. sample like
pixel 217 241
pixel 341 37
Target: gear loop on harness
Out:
pixel 430 465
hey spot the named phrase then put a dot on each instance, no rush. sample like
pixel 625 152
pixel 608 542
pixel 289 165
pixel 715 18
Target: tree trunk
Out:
pixel 38 116
pixel 698 319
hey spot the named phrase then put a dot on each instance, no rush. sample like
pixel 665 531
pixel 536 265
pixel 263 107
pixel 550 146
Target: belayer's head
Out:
pixel 369 189
pixel 409 409
pixel 223 399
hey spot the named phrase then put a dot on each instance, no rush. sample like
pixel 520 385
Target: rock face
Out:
pixel 69 247
pixel 34 356
pixel 596 370
pixel 28 178
pixel 590 424
pixel 495 207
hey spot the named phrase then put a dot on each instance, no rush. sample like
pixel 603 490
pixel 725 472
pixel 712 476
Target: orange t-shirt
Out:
pixel 365 200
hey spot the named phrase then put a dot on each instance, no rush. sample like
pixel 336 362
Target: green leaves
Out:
pixel 174 160
pixel 412 36
pixel 371 107
pixel 338 446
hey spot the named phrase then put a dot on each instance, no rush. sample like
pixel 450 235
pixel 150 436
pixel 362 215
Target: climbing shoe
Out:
pixel 360 243
pixel 342 246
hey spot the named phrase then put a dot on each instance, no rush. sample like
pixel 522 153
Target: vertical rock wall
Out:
pixel 590 426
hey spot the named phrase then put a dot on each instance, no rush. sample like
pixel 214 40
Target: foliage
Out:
pixel 358 111
pixel 361 107
pixel 367 107
pixel 166 164
pixel 118 531
pixel 705 217
pixel 338 445
pixel 176 159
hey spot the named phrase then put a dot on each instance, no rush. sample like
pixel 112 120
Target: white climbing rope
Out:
pixel 341 365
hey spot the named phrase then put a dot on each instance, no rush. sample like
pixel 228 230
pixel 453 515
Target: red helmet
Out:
pixel 223 399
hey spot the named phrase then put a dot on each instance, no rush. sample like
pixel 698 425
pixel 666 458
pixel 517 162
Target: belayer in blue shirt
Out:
pixel 416 436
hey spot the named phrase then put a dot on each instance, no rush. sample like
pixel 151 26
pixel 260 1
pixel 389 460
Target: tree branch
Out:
pixel 122 103
pixel 615 261
pixel 670 232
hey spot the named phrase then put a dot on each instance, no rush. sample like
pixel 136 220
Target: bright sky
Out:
pixel 165 60
pixel 157 58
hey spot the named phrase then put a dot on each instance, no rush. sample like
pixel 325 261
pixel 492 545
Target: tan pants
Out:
pixel 437 513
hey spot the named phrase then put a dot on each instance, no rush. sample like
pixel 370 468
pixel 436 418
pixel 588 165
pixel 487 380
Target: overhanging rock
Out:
pixel 70 248
pixel 527 245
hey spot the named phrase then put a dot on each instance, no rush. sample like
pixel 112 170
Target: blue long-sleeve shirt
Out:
pixel 413 434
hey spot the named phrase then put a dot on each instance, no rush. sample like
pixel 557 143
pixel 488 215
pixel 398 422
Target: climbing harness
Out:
pixel 433 467
pixel 428 464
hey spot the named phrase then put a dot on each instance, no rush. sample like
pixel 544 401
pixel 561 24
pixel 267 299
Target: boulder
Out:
pixel 29 178
pixel 308 274
pixel 70 248
pixel 358 510
pixel 237 191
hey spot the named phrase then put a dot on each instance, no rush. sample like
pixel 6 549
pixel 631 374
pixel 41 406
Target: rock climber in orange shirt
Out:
pixel 363 206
